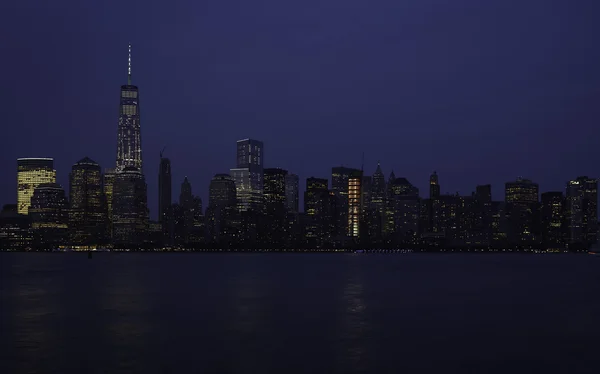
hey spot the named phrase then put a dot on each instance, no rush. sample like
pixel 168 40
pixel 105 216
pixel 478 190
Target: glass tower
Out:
pixel 31 172
pixel 248 174
pixel 129 141
pixel 87 213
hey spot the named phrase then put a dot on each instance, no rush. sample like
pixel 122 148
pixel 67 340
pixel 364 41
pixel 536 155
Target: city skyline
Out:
pixel 447 100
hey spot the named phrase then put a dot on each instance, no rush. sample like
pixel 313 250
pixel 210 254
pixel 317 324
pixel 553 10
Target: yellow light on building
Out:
pixel 354 204
pixel 31 172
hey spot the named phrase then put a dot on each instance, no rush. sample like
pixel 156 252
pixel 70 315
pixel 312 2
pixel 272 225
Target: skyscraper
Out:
pixel 129 140
pixel 130 211
pixel 164 187
pixel 129 201
pixel 48 213
pixel 522 211
pixel 355 188
pixel 31 172
pixel 339 185
pixel 553 220
pixel 292 193
pixel 88 209
pixel 582 211
pixel 222 209
pixel 248 174
pixel 108 183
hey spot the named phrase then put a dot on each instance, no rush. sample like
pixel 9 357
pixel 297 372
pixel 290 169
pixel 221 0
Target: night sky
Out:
pixel 481 91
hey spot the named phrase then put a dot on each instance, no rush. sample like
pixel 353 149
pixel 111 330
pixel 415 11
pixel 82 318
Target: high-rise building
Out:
pixel 275 206
pixel 378 205
pixel 15 229
pixel 31 172
pixel 108 183
pixel 482 213
pixel 319 222
pixel 339 185
pixel 522 212
pixel 130 209
pixel 130 200
pixel 248 174
pixel 354 202
pixel 185 195
pixel 49 217
pixel 582 211
pixel 222 209
pixel 88 209
pixel 292 193
pixel 164 187
pixel 404 198
pixel 553 220
pixel 434 186
pixel 129 138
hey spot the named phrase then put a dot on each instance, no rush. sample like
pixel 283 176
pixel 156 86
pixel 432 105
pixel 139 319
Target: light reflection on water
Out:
pixel 296 314
pixel 355 325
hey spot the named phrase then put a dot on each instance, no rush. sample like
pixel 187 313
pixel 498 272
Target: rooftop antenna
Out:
pixel 161 152
pixel 362 165
pixel 129 66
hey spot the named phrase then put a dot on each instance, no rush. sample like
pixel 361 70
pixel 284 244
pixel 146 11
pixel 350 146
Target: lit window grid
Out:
pixel 27 182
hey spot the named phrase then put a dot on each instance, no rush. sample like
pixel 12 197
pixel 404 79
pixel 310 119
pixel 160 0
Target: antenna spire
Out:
pixel 129 66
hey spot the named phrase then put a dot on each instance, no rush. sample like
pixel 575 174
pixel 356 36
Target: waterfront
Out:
pixel 262 313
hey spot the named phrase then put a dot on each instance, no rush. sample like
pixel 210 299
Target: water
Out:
pixel 299 313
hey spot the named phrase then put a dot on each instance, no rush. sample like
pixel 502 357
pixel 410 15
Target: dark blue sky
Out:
pixel 481 91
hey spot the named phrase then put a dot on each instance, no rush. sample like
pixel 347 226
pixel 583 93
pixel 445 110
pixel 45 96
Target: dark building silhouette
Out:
pixel 482 216
pixel 222 211
pixel 88 209
pixel 434 186
pixel 187 219
pixel 377 205
pixel 522 212
pixel 275 206
pixel 319 219
pixel 108 183
pixel 49 216
pixel 130 208
pixel 292 192
pixel 553 220
pixel 15 229
pixel 164 188
pixel 406 207
pixel 581 212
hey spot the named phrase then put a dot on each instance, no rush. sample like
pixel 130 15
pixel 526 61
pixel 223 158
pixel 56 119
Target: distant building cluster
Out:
pixel 253 207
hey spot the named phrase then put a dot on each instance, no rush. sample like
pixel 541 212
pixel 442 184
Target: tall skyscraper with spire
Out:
pixel 129 139
pixel 129 200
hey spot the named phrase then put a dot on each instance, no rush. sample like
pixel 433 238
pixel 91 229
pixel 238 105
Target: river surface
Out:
pixel 299 313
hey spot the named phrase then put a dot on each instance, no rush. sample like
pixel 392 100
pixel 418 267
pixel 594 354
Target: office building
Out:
pixel 581 211
pixel 522 212
pixel 31 172
pixel 248 174
pixel 130 211
pixel 292 194
pixel 108 181
pixel 355 179
pixel 49 216
pixel 88 209
pixel 553 220
pixel 222 212
pixel 164 187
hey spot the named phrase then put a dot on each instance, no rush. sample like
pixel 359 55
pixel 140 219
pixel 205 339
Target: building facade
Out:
pixel 31 172
pixel 88 209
